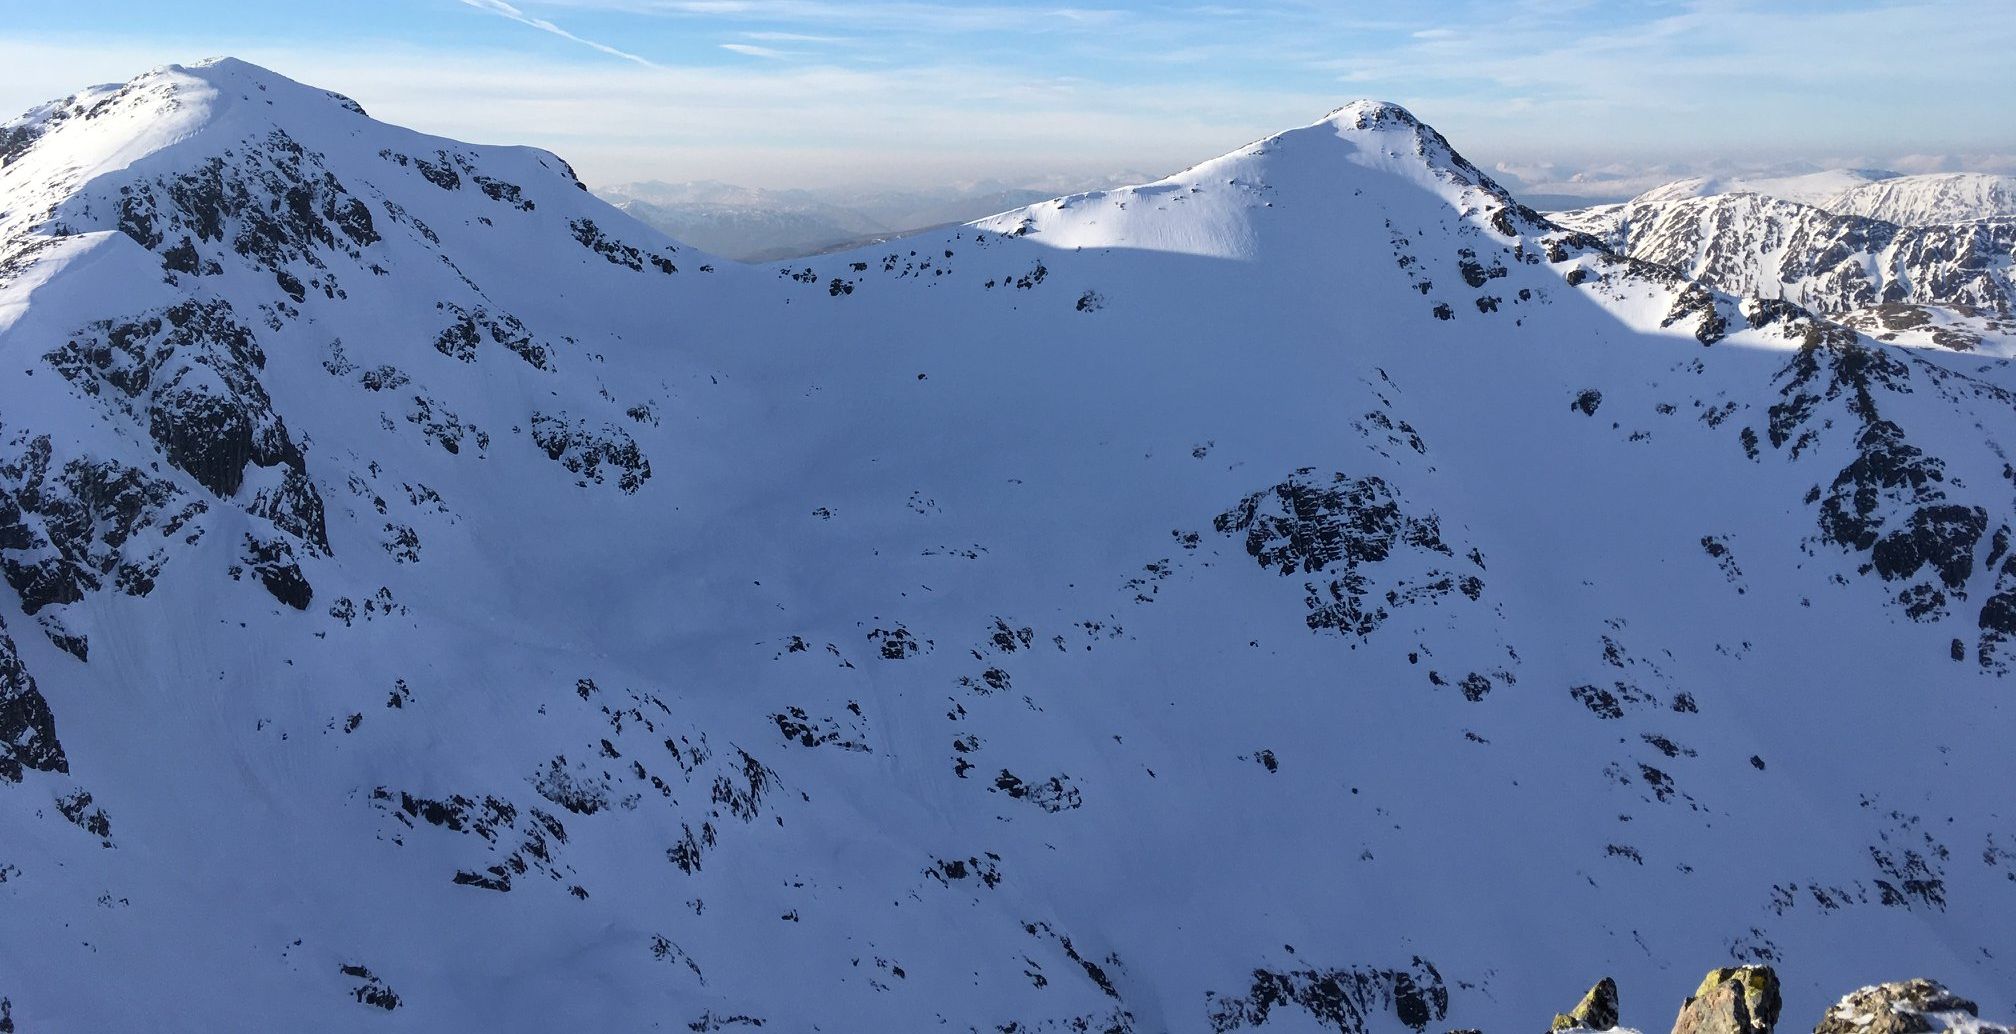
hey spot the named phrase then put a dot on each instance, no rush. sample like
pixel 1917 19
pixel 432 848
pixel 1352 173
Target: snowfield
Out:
pixel 1310 592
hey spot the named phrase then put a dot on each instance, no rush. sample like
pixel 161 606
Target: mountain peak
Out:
pixel 1367 113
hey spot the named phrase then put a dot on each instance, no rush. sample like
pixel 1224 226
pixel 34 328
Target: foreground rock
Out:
pixel 1736 1000
pixel 1596 1011
pixel 1904 1007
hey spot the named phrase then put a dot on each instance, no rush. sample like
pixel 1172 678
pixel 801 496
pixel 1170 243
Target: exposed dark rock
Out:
pixel 617 252
pixel 1893 500
pixel 509 193
pixel 72 528
pixel 1345 1000
pixel 1053 795
pixel 797 725
pixel 573 787
pixel 370 990
pixel 470 327
pixel 272 203
pixel 497 823
pixel 949 871
pixel 273 561
pixel 1348 527
pixel 593 453
pixel 76 808
pixel 27 729
pixel 189 375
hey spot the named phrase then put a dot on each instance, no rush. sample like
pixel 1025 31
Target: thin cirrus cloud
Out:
pixel 752 50
pixel 504 10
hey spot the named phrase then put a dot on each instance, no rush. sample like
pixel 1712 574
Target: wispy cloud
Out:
pixel 794 37
pixel 502 9
pixel 751 50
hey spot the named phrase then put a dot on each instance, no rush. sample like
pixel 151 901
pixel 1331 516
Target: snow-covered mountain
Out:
pixel 1750 243
pixel 1950 197
pixel 1809 188
pixel 1311 591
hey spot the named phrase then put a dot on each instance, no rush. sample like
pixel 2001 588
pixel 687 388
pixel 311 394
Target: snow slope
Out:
pixel 1308 592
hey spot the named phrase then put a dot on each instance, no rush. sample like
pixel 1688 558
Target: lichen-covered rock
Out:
pixel 1596 1011
pixel 1732 1000
pixel 1917 1006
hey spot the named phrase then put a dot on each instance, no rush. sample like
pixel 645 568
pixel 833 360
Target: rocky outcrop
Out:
pixel 1349 1001
pixel 1735 1000
pixel 72 526
pixel 1745 1000
pixel 1894 504
pixel 189 376
pixel 273 205
pixel 1596 1011
pixel 593 452
pixel 1917 1006
pixel 27 730
pixel 1356 532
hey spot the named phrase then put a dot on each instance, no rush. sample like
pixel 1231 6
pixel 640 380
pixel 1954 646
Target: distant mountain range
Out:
pixel 1930 258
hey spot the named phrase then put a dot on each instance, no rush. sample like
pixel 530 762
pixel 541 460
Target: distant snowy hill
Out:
pixel 1312 591
pixel 1812 188
pixel 1929 200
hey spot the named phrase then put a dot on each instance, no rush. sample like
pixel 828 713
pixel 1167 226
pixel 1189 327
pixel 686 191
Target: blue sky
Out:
pixel 798 92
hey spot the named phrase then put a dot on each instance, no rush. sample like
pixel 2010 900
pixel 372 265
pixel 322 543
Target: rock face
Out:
pixel 1596 1011
pixel 1917 1006
pixel 1738 1000
pixel 27 731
